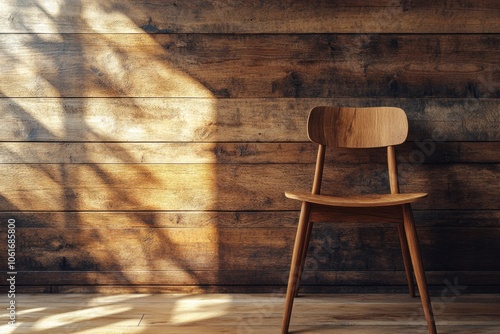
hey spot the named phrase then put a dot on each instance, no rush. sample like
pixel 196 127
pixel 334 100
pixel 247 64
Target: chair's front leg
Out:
pixel 303 256
pixel 416 258
pixel 295 268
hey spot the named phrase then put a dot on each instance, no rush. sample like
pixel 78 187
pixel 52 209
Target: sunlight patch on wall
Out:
pixel 51 7
pixel 27 69
pixel 136 63
pixel 137 66
pixel 146 119
pixel 33 16
pixel 51 121
pixel 107 88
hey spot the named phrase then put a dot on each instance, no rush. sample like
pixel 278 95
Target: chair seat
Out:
pixel 372 200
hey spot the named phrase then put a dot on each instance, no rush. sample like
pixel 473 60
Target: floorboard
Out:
pixel 246 314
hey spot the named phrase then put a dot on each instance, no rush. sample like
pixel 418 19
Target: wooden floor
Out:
pixel 246 314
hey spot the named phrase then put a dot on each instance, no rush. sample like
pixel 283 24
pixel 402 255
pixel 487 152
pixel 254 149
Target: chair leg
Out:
pixel 411 235
pixel 297 255
pixel 304 256
pixel 406 259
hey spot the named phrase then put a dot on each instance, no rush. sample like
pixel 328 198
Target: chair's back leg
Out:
pixel 298 251
pixel 406 259
pixel 416 258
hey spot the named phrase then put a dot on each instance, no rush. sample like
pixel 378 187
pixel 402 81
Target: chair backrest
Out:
pixel 357 127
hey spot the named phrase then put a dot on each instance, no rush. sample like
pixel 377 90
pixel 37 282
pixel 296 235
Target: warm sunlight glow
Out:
pixel 115 299
pixel 41 12
pixel 26 61
pixel 134 63
pixel 53 121
pixel 31 310
pixel 196 309
pixel 105 19
pixel 87 314
pixel 113 328
pixel 9 329
pixel 138 120
pixel 84 85
pixel 51 7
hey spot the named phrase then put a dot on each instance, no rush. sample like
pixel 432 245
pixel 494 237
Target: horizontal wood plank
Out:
pixel 226 120
pixel 159 153
pixel 239 302
pixel 137 281
pixel 343 328
pixel 54 187
pixel 224 219
pixel 172 219
pixel 426 151
pixel 169 289
pixel 334 247
pixel 290 16
pixel 246 66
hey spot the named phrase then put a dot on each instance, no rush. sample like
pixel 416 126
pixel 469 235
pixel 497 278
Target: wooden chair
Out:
pixel 358 128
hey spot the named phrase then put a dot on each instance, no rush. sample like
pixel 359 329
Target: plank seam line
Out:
pixel 139 324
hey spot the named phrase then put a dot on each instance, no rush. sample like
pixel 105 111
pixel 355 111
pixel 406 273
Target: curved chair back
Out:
pixel 357 127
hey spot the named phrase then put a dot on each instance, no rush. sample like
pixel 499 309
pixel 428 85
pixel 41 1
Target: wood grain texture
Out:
pixel 54 187
pixel 228 120
pixel 214 313
pixel 290 16
pixel 223 219
pixel 419 152
pixel 221 252
pixel 161 116
pixel 347 248
pixel 366 200
pixel 203 281
pixel 357 127
pixel 98 248
pixel 247 66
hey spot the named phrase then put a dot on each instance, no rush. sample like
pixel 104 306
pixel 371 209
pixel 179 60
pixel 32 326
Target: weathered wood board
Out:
pixel 289 16
pixel 250 65
pixel 211 120
pixel 231 187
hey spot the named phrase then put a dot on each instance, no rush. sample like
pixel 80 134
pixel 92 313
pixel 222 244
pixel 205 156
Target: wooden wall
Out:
pixel 146 146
